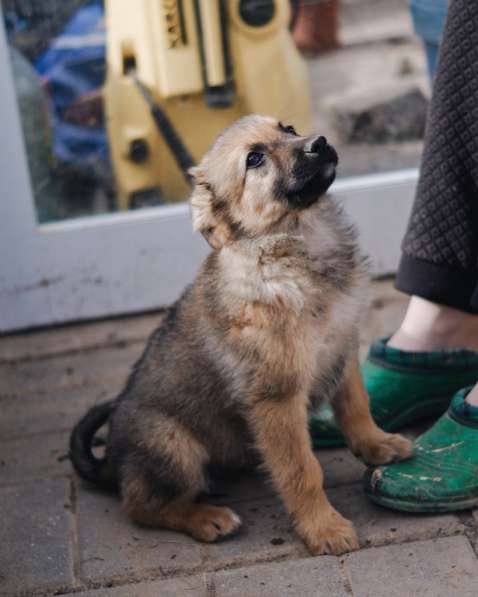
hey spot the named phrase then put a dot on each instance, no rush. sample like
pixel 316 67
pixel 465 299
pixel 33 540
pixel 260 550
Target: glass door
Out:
pixel 92 224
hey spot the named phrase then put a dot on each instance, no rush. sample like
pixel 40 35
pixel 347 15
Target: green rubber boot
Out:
pixel 441 476
pixel 404 388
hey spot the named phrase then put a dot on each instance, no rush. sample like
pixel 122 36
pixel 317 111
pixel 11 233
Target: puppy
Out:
pixel 268 328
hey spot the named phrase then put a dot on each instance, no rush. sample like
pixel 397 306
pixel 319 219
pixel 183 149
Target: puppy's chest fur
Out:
pixel 294 299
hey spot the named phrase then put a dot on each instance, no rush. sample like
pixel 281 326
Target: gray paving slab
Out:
pixel 311 577
pixel 266 532
pixel 35 532
pixel 112 547
pixel 444 567
pixel 77 337
pixel 376 525
pixel 194 586
pixel 34 457
pixel 340 467
pixel 67 371
pixel 56 411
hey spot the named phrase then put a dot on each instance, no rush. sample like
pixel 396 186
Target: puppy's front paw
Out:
pixel 213 523
pixel 331 533
pixel 385 448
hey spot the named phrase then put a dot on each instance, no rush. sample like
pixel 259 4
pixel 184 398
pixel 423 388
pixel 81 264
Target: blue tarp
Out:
pixel 429 18
pixel 75 65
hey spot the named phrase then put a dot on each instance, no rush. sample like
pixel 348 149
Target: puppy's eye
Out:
pixel 254 159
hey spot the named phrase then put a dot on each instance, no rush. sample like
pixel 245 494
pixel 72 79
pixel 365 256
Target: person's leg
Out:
pixel 315 27
pixel 472 397
pixel 439 269
pixel 428 326
pixel 440 248
pixel 415 374
pixel 439 266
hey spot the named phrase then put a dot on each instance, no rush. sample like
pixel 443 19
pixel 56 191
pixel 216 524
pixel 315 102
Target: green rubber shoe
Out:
pixel 441 476
pixel 404 388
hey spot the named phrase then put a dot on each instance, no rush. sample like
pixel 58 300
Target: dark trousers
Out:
pixel 440 249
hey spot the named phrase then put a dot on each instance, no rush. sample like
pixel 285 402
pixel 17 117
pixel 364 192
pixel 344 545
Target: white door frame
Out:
pixel 129 262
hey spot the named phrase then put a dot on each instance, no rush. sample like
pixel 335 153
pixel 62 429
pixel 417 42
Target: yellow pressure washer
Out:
pixel 179 71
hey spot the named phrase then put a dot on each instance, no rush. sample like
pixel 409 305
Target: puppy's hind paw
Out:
pixel 213 523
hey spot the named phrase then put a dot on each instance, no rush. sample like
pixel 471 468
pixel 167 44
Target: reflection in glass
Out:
pixel 118 97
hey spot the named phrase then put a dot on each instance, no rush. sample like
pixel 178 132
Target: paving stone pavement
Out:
pixel 60 536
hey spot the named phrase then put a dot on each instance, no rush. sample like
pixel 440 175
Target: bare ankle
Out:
pixel 472 397
pixel 430 326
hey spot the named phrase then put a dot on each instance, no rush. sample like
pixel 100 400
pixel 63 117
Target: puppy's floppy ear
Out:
pixel 209 214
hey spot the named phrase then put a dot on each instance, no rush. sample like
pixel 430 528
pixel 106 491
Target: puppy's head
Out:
pixel 257 173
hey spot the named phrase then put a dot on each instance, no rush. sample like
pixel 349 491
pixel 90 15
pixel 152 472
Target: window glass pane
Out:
pixel 89 73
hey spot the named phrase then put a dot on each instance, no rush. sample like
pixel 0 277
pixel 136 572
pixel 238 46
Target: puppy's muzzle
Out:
pixel 314 172
pixel 318 148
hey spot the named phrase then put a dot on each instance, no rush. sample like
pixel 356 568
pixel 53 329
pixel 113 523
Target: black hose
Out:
pixel 166 128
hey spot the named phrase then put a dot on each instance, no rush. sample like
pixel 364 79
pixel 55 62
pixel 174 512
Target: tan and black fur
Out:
pixel 268 328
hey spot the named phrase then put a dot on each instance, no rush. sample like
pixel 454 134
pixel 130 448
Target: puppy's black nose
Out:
pixel 316 145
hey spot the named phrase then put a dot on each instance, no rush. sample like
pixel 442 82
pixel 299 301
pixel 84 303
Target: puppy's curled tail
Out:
pixel 86 464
